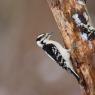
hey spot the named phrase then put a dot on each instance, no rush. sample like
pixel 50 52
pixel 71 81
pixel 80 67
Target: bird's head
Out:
pixel 41 39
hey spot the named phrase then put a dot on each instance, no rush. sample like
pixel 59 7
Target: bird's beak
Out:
pixel 49 35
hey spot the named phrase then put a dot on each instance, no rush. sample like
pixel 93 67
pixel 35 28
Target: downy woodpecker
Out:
pixel 56 52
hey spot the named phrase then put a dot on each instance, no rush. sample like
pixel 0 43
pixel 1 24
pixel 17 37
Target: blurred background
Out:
pixel 24 68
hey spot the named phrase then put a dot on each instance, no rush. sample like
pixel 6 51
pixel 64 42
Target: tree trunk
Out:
pixel 83 53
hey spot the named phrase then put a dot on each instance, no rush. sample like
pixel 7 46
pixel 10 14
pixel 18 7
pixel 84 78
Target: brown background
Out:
pixel 24 68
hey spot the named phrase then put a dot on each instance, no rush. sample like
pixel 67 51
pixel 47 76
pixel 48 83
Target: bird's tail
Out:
pixel 75 74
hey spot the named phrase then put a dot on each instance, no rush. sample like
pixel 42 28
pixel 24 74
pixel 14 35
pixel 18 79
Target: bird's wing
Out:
pixel 54 53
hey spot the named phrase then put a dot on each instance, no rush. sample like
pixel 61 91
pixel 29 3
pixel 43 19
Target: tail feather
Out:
pixel 75 74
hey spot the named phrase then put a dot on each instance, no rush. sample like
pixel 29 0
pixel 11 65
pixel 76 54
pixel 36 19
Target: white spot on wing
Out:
pixel 77 20
pixel 84 36
pixel 81 2
pixel 86 16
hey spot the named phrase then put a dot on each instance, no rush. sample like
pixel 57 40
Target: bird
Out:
pixel 56 52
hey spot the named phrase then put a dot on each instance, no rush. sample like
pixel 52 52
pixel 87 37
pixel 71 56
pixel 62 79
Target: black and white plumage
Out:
pixel 56 52
pixel 82 21
pixel 81 2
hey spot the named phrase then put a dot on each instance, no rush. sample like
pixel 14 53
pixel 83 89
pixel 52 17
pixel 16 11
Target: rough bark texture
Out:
pixel 62 11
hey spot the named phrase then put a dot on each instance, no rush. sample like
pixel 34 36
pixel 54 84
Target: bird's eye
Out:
pixel 40 37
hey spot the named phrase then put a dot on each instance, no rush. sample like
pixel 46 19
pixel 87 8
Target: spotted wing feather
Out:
pixel 53 52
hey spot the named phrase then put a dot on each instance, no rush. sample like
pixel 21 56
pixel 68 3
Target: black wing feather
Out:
pixel 52 50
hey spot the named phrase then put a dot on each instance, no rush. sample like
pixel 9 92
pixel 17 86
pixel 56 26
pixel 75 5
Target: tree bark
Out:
pixel 82 55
